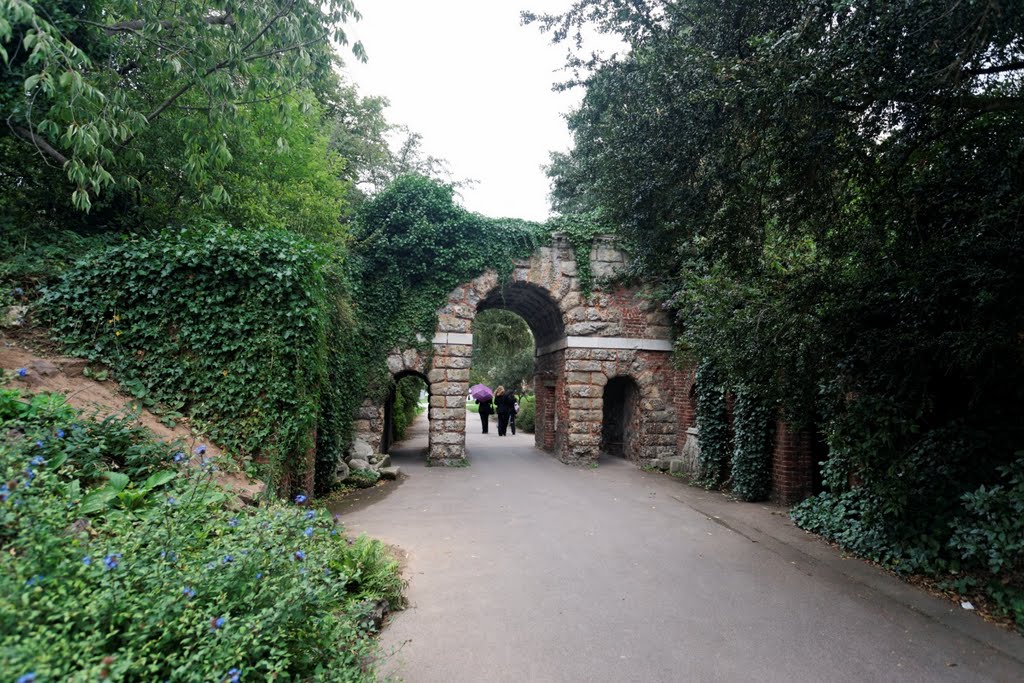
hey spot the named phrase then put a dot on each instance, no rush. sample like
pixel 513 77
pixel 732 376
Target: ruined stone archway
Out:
pixel 581 342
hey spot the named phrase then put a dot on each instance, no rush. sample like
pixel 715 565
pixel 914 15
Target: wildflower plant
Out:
pixel 194 592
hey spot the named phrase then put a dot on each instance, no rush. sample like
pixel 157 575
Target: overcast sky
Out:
pixel 477 86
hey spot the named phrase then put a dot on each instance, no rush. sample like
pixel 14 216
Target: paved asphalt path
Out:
pixel 523 569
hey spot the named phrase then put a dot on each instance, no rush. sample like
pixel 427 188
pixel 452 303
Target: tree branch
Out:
pixel 40 144
pixel 138 24
pixel 1002 68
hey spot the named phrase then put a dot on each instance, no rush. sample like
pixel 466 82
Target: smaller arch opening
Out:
pixel 403 405
pixel 620 423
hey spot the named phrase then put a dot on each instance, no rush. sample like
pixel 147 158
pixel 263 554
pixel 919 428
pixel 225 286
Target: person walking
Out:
pixel 513 409
pixel 486 408
pixel 504 409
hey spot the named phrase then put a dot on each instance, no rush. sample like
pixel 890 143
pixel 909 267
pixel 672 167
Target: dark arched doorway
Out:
pixel 406 386
pixel 620 418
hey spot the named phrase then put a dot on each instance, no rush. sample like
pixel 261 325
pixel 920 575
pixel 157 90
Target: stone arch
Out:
pixel 582 341
pixel 389 405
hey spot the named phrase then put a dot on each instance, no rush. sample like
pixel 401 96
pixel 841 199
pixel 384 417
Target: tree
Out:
pixel 503 349
pixel 86 83
pixel 829 196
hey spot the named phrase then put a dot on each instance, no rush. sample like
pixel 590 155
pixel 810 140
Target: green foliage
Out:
pixel 362 479
pixel 406 406
pixel 526 419
pixel 753 443
pixel 503 349
pixel 713 425
pixel 91 85
pixel 230 324
pixel 828 196
pixel 581 229
pixel 412 246
pixel 181 589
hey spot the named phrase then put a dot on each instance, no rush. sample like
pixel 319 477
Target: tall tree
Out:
pixel 830 196
pixel 87 82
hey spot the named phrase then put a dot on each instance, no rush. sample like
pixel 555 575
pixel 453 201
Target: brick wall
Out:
pixel 793 465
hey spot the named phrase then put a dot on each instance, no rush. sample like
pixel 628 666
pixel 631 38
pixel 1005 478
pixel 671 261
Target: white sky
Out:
pixel 477 86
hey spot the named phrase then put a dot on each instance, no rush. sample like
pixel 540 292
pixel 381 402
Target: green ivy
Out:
pixel 754 429
pixel 412 246
pixel 713 425
pixel 581 229
pixel 233 325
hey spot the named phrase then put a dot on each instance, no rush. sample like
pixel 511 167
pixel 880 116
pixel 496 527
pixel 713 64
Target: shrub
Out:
pixel 526 420
pixel 184 588
pixel 754 425
pixel 363 479
pixel 713 423
pixel 231 324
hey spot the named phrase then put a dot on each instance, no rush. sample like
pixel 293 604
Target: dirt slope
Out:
pixel 62 374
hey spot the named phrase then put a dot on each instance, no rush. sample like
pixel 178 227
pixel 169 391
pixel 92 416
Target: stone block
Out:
pixel 358 464
pixel 458 374
pixel 584 391
pixel 583 366
pixel 578 377
pixel 585 403
pixel 390 473
pixel 436 375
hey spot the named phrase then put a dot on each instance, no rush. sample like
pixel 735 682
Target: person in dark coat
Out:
pixel 504 405
pixel 486 408
pixel 513 402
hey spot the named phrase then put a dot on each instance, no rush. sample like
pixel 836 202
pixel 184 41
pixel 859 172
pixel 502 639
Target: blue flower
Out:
pixel 327 571
pixel 34 580
pixel 37 461
pixel 30 677
pixel 171 500
pixel 228 558
pixel 18 291
pixel 233 676
pixel 308 532
pixel 39 444
pixel 4 493
pixel 233 522
pixel 22 372
pixel 216 623
pixel 300 499
pixel 188 592
pixel 310 514
pixel 112 560
pixel 169 555
pixel 334 532
pixel 200 449
pixel 179 456
pixel 259 575
pixel 60 433
pixel 299 555
pixel 87 560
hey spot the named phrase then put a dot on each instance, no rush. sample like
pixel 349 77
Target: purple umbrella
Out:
pixel 480 392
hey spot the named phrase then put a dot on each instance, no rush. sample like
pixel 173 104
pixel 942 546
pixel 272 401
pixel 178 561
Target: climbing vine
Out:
pixel 231 327
pixel 754 428
pixel 713 425
pixel 412 246
pixel 581 229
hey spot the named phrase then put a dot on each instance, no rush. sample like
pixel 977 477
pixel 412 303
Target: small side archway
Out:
pixel 621 418
pixel 387 433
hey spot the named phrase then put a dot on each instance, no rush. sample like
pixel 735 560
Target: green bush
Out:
pixel 754 426
pixel 713 423
pixel 526 420
pixel 363 479
pixel 180 587
pixel 232 325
